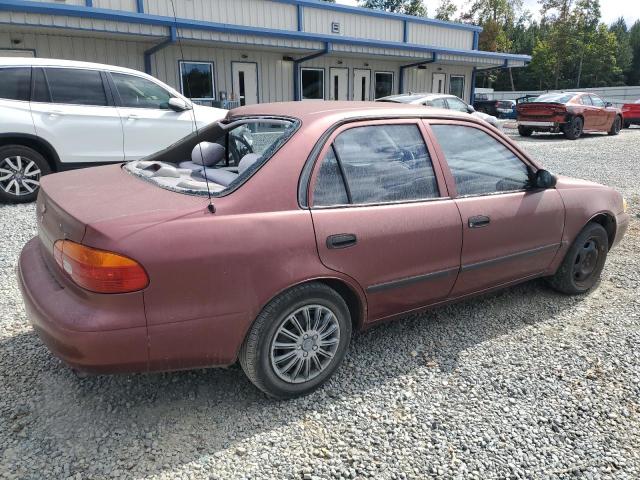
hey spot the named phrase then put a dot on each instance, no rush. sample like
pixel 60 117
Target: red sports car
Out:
pixel 571 113
pixel 292 225
pixel 631 114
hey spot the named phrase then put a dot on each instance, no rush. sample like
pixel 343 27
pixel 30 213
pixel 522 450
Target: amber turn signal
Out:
pixel 98 270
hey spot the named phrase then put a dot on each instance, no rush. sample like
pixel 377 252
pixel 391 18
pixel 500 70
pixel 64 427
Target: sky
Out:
pixel 611 9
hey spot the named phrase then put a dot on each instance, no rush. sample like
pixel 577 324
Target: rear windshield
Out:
pixel 554 98
pixel 218 158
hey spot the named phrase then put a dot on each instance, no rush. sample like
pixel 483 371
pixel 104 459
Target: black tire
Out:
pixel 627 124
pixel 582 265
pixel 525 131
pixel 256 351
pixel 616 126
pixel 15 183
pixel 573 129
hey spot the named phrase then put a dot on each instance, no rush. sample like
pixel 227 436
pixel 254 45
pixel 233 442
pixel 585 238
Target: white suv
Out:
pixel 57 114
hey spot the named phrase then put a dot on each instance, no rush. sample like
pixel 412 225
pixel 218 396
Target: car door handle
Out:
pixel 341 240
pixel 132 117
pixel 55 113
pixel 479 221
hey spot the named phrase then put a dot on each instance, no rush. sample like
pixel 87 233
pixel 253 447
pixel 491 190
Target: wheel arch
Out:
pixel 43 147
pixel 608 222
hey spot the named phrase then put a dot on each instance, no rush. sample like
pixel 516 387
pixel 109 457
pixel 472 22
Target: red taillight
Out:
pixel 98 270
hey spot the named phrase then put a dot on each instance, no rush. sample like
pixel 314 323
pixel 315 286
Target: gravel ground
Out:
pixel 525 383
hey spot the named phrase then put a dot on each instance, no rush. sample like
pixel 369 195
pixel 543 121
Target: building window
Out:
pixel 196 80
pixel 312 80
pixel 456 85
pixel 384 84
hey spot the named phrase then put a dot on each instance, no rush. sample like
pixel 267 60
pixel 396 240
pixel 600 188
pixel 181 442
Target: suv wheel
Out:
pixel 20 171
pixel 297 341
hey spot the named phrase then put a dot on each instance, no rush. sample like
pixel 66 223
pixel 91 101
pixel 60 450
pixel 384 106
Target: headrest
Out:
pixel 248 160
pixel 207 154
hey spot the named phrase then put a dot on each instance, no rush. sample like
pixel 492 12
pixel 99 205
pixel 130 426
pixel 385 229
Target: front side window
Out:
pixel 137 92
pixel 456 85
pixel 376 164
pixel 15 83
pixel 312 81
pixel 196 80
pixel 76 87
pixel 597 101
pixel 480 164
pixel 384 84
pixel 457 105
pixel 437 103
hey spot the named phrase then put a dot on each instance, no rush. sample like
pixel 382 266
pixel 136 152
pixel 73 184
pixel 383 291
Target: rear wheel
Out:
pixel 573 129
pixel 525 131
pixel 297 341
pixel 20 171
pixel 583 263
pixel 616 126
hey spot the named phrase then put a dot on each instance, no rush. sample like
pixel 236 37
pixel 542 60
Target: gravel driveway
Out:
pixel 525 383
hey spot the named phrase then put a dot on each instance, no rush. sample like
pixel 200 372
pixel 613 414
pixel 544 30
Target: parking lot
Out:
pixel 524 383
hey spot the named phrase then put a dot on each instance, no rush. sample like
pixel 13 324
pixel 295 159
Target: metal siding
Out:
pixel 352 25
pixel 255 13
pixel 423 34
pixel 125 5
pixel 417 80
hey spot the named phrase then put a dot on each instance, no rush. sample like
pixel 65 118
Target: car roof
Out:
pixel 335 111
pixel 52 62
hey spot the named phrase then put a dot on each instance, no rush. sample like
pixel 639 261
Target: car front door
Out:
pixel 382 215
pixel 510 230
pixel 148 123
pixel 72 110
pixel 601 113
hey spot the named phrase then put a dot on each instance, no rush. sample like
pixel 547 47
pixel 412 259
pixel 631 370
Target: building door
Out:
pixel 245 82
pixel 439 83
pixel 339 84
pixel 361 84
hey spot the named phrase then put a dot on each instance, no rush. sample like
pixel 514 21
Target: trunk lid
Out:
pixel 107 200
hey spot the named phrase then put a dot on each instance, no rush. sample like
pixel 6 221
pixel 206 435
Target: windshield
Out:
pixel 216 159
pixel 554 98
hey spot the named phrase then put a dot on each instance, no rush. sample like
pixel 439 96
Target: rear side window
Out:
pixel 15 83
pixel 76 87
pixel 479 163
pixel 376 164
pixel 136 92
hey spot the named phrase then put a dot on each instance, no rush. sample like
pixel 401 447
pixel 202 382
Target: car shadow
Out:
pixel 552 137
pixel 171 419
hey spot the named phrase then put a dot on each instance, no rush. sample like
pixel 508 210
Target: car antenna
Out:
pixel 210 207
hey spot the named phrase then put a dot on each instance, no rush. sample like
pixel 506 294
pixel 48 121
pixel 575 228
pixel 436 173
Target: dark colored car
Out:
pixel 482 103
pixel 507 109
pixel 571 113
pixel 631 113
pixel 292 225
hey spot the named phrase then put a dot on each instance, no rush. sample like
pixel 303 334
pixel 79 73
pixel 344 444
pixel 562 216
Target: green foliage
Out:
pixel 446 10
pixel 408 7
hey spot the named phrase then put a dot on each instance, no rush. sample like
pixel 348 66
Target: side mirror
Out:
pixel 608 104
pixel 545 179
pixel 470 109
pixel 178 105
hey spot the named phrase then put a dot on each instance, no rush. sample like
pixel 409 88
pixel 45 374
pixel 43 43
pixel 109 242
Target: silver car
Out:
pixel 438 100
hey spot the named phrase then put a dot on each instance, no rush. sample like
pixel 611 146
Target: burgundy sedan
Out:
pixel 571 113
pixel 271 236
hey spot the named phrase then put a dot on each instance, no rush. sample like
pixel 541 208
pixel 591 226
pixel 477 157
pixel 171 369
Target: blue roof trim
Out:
pixel 379 13
pixel 132 17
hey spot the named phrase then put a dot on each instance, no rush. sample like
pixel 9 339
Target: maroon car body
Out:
pixel 571 113
pixel 212 274
pixel 631 113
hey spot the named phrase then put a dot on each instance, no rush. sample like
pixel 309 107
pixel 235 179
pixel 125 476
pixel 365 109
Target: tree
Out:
pixel 624 51
pixel 633 76
pixel 446 10
pixel 408 7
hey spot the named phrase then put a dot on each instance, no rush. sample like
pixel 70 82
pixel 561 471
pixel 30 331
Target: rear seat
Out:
pixel 206 155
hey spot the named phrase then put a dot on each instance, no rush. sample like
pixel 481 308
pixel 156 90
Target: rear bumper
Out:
pixel 531 123
pixel 54 309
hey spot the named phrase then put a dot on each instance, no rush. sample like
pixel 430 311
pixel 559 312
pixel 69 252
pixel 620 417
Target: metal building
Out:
pixel 256 50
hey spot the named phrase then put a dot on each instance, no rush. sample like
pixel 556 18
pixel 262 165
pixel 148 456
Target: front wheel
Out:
pixel 573 129
pixel 582 265
pixel 616 126
pixel 525 131
pixel 627 124
pixel 20 171
pixel 297 342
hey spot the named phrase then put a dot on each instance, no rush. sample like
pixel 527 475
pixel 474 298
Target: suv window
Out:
pixel 380 163
pixel 478 162
pixel 458 105
pixel 15 83
pixel 137 92
pixel 76 86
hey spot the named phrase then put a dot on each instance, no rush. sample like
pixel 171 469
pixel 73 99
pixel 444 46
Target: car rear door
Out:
pixel 382 215
pixel 72 109
pixel 148 123
pixel 510 231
